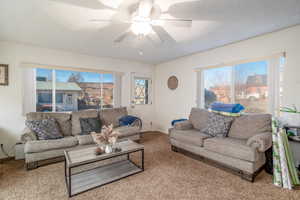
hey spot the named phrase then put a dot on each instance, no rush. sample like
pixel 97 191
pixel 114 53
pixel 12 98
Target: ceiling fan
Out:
pixel 144 18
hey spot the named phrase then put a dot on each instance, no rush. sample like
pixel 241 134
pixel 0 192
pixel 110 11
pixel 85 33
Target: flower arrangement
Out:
pixel 108 137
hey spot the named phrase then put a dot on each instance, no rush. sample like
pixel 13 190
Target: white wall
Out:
pixel 170 105
pixel 11 119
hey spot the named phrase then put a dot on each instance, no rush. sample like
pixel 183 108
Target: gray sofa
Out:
pixel 38 152
pixel 242 151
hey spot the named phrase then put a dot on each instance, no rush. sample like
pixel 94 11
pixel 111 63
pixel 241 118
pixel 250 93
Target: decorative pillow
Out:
pixel 249 125
pixel 89 125
pixel 218 125
pixel 45 129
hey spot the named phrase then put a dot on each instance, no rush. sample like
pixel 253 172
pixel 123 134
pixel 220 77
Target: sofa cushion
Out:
pixel 63 120
pixel 45 145
pixel 125 131
pixel 89 125
pixel 199 118
pixel 235 148
pixel 45 129
pixel 246 126
pixel 85 139
pixel 191 136
pixel 76 128
pixel 112 115
pixel 218 125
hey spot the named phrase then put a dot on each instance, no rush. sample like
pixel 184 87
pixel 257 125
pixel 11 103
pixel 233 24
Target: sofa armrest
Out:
pixel 183 125
pixel 261 142
pixel 28 135
pixel 137 123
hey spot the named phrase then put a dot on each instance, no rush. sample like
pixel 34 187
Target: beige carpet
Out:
pixel 167 175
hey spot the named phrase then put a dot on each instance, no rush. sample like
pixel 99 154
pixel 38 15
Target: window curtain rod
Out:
pixel 44 66
pixel 282 54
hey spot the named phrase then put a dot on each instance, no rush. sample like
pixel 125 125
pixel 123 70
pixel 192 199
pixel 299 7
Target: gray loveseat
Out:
pixel 38 152
pixel 242 151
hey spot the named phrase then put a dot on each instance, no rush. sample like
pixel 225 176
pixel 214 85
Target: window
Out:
pixel 65 90
pixel 44 87
pixel 252 84
pixel 141 91
pixel 217 85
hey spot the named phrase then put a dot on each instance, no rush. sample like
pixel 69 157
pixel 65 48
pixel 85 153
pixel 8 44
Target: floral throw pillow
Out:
pixel 218 125
pixel 45 129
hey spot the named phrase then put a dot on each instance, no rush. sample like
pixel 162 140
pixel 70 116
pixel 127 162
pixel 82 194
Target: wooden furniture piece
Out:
pixel 78 181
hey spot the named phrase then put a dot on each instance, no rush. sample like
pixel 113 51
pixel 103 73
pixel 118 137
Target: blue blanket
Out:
pixel 127 120
pixel 177 120
pixel 231 108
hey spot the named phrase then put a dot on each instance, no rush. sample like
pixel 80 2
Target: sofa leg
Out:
pixel 32 165
pixel 138 141
pixel 247 177
pixel 174 148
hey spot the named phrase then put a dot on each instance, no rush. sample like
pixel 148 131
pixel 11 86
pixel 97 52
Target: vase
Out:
pixel 108 148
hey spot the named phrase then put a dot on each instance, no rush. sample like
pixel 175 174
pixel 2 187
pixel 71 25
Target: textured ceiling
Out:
pixel 53 24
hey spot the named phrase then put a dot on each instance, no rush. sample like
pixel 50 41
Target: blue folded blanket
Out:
pixel 177 120
pixel 231 108
pixel 127 120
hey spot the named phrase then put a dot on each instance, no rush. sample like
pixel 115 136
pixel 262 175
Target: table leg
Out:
pixel 70 182
pixel 143 159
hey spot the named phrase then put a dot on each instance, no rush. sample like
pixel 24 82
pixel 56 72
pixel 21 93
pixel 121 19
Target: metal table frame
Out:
pixel 68 170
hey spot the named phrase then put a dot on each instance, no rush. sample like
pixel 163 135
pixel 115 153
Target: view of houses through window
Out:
pixel 246 84
pixel 73 90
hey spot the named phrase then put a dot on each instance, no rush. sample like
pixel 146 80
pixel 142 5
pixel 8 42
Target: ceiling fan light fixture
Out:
pixel 141 26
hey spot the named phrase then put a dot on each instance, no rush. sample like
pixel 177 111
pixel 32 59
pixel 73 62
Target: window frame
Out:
pixel 149 90
pixel 275 69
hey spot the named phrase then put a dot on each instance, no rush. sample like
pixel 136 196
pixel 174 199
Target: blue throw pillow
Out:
pixel 127 120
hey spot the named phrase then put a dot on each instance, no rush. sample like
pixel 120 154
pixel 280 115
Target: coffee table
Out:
pixel 81 181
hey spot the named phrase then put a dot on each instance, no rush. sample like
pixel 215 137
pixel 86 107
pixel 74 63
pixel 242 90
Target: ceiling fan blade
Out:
pixel 122 37
pixel 163 35
pixel 112 21
pixel 145 8
pixel 154 39
pixel 92 4
pixel 175 22
pixel 100 20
